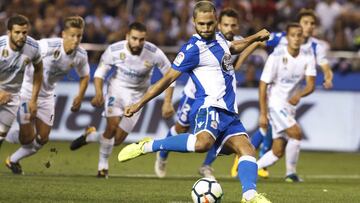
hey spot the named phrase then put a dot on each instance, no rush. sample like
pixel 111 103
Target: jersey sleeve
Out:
pixel 310 67
pixel 104 64
pixel 187 59
pixel 162 62
pixel 83 68
pixel 320 54
pixel 37 54
pixel 269 73
pixel 274 39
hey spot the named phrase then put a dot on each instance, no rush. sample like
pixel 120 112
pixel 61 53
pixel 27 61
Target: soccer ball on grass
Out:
pixel 206 190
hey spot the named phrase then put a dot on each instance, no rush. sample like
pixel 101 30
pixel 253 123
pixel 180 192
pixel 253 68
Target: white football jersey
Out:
pixel 131 71
pixel 284 73
pixel 189 88
pixel 56 65
pixel 14 63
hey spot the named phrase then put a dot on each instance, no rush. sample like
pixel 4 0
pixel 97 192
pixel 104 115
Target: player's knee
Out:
pixel 181 129
pixel 203 145
pixel 111 128
pixel 278 151
pixel 25 139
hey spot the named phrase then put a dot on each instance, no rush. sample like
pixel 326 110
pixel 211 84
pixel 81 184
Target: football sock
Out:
pixel 247 174
pixel 257 138
pixel 267 160
pixel 292 152
pixel 25 151
pixel 93 137
pixel 210 156
pixel 267 143
pixel 172 132
pixel 181 143
pixel 106 146
pixel 13 135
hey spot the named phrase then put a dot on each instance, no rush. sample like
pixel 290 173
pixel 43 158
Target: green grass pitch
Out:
pixel 329 177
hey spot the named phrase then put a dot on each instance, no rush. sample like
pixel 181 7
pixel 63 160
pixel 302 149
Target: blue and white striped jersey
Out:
pixel 56 64
pixel 319 51
pixel 13 63
pixel 210 67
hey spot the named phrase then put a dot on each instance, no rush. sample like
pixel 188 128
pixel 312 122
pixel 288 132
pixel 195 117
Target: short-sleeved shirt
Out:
pixel 14 63
pixel 131 71
pixel 210 67
pixel 56 64
pixel 284 73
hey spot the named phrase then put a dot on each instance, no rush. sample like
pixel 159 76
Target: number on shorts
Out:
pixel 111 101
pixel 214 116
pixel 184 112
pixel 24 105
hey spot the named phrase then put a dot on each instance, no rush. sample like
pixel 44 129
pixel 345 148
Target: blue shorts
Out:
pixel 183 111
pixel 220 123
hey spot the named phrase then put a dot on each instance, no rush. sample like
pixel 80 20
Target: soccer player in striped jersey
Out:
pixel 17 52
pixel 59 56
pixel 134 60
pixel 207 58
pixel 279 93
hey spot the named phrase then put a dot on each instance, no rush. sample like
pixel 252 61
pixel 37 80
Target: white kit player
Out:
pixel 134 60
pixel 228 25
pixel 59 56
pixel 17 52
pixel 279 93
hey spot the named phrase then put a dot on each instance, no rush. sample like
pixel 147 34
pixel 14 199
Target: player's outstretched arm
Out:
pixel 238 46
pixel 98 99
pixel 84 81
pixel 328 76
pixel 167 107
pixel 308 89
pixel 37 81
pixel 154 91
pixel 245 54
pixel 263 121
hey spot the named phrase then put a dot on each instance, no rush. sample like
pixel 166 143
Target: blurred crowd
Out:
pixel 169 21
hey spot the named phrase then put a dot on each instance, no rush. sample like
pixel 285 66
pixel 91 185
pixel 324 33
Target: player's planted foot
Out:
pixel 293 178
pixel 132 151
pixel 103 173
pixel 206 171
pixel 14 167
pixel 259 198
pixel 263 173
pixel 81 141
pixel 160 166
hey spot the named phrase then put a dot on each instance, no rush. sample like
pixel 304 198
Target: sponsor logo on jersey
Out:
pixel 226 62
pixel 5 53
pixel 179 58
pixel 122 56
pixel 200 124
pixel 147 64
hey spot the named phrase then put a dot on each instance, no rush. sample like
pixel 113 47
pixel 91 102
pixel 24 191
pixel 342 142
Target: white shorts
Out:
pixel 115 103
pixel 281 118
pixel 45 110
pixel 8 113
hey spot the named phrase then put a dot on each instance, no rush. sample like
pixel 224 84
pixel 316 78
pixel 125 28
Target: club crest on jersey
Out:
pixel 214 124
pixel 26 61
pixel 5 53
pixel 71 65
pixel 56 54
pixel 122 56
pixel 226 62
pixel 179 58
pixel 147 64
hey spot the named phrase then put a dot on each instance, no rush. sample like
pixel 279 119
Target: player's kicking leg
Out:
pixel 90 135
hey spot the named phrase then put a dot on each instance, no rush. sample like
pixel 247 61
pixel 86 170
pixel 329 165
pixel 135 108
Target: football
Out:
pixel 206 190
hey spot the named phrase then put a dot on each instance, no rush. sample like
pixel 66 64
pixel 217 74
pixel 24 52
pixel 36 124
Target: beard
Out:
pixel 135 50
pixel 206 36
pixel 229 36
pixel 18 44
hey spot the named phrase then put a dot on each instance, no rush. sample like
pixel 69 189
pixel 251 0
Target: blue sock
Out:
pixel 257 138
pixel 267 143
pixel 210 156
pixel 172 132
pixel 247 172
pixel 181 143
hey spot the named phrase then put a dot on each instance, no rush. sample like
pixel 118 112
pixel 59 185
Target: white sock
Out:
pixel 2 138
pixel 13 135
pixel 268 159
pixel 190 145
pixel 25 151
pixel 292 152
pixel 148 146
pixel 248 195
pixel 93 137
pixel 106 146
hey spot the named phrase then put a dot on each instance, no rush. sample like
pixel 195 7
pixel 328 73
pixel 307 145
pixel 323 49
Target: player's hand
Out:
pixel 167 110
pixel 32 109
pixel 263 35
pixel 130 110
pixel 97 101
pixel 76 104
pixel 328 84
pixel 263 121
pixel 294 100
pixel 5 97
